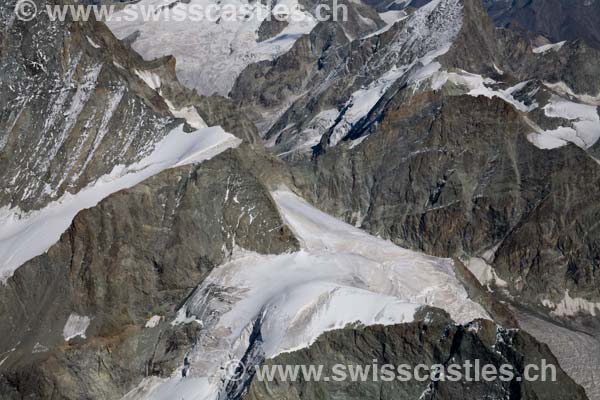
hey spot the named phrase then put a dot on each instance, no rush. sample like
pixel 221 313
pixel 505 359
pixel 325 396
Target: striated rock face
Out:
pixel 138 254
pixel 435 340
pixel 70 113
pixel 326 82
pixel 79 102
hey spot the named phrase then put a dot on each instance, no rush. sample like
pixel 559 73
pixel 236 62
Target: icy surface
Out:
pixel 24 236
pixel 578 353
pixel 341 276
pixel 75 326
pixel 210 54
pixel 585 121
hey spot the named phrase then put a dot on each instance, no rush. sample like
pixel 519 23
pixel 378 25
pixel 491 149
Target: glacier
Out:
pixel 341 276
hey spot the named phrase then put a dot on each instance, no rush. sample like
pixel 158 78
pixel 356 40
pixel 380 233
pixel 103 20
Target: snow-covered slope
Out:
pixel 341 276
pixel 24 236
pixel 210 53
pixel 579 124
pixel 406 49
pixel 583 132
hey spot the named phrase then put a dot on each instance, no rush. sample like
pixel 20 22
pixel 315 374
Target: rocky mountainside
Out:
pixel 553 20
pixel 403 185
pixel 431 340
pixel 90 318
pixel 456 148
pixel 80 321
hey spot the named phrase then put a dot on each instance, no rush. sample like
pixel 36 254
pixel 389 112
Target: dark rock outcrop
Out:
pixel 556 20
pixel 433 341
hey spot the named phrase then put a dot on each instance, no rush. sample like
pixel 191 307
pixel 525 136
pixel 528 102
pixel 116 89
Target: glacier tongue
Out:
pixel 342 276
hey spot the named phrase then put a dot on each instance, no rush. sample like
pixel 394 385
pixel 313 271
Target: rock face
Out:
pixel 327 82
pixel 465 178
pixel 433 341
pixel 71 113
pixel 79 103
pixel 139 253
pixel 556 20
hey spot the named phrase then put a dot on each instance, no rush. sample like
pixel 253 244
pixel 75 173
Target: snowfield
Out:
pixel 547 47
pixel 24 236
pixel 341 276
pixel 210 53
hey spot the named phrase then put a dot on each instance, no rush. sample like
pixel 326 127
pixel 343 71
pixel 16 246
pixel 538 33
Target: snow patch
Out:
pixel 547 47
pixel 585 117
pixel 153 321
pixel 584 133
pixel 484 273
pixel 75 326
pixel 150 78
pixel 564 90
pixel 94 44
pixel 357 142
pixel 189 114
pixel 479 86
